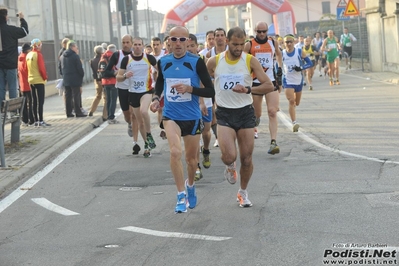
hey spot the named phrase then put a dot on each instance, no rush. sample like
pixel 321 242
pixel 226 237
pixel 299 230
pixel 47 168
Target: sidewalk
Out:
pixel 38 146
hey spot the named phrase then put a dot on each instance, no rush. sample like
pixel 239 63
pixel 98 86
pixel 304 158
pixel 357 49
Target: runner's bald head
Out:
pixel 261 25
pixel 180 31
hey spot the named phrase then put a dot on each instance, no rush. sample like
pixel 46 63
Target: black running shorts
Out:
pixel 236 118
pixel 190 127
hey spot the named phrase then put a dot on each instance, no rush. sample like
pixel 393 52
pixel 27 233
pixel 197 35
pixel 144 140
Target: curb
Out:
pixel 44 158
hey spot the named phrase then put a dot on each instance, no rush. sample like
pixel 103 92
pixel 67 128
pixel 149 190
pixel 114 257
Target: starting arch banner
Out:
pixel 283 14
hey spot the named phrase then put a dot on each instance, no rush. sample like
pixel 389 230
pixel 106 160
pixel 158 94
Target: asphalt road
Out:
pixel 333 188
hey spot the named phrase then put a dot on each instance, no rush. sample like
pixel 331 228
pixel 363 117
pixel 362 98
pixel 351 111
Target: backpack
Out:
pixel 102 65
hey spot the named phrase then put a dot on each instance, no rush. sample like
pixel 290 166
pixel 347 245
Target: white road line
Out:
pixel 172 234
pixel 21 190
pixel 45 203
pixel 284 118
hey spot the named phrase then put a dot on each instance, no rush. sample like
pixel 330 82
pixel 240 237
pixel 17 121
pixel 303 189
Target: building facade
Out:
pixel 383 30
pixel 88 22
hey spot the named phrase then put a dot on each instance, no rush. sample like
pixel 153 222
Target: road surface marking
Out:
pixel 45 203
pixel 284 118
pixel 25 187
pixel 172 234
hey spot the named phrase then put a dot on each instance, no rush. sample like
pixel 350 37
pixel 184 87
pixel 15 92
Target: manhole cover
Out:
pixel 130 188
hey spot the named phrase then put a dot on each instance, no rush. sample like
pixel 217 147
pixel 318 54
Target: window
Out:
pixel 325 7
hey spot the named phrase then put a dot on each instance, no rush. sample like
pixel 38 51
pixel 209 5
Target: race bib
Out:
pixel 172 95
pixel 138 84
pixel 332 45
pixel 265 59
pixel 228 81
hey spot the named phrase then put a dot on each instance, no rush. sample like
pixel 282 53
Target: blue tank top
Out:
pixel 181 107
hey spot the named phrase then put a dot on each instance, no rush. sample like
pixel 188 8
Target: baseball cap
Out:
pixel 36 43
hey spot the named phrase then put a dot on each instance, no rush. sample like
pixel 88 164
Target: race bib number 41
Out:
pixel 227 82
pixel 172 95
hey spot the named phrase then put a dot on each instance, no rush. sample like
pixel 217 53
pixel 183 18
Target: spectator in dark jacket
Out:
pixel 9 36
pixel 64 43
pixel 73 73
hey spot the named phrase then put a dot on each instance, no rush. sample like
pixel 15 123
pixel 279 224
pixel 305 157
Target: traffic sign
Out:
pixel 340 14
pixel 351 9
pixel 341 3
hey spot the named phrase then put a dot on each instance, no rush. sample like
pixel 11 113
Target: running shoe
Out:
pixel 112 121
pixel 304 84
pixel 242 198
pixel 182 203
pixel 36 124
pixel 295 128
pixel 147 150
pixel 43 124
pixel 198 174
pixel 191 196
pixel 310 87
pixel 151 142
pixel 331 82
pixel 129 130
pixel 136 148
pixel 206 161
pixel 83 111
pixel 337 82
pixel 274 148
pixel 163 134
pixel 256 133
pixel 230 173
pixel 216 143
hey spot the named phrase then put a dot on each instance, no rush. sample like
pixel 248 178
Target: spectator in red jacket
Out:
pixel 27 115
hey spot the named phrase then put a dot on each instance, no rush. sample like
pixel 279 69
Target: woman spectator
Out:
pixel 37 78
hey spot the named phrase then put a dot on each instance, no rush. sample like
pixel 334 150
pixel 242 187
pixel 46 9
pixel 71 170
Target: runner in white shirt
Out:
pixel 232 71
pixel 221 46
pixel 158 52
pixel 210 42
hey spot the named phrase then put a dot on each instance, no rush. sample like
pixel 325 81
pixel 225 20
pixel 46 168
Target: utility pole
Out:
pixel 55 33
pixel 135 19
pixel 360 37
pixel 126 17
pixel 148 22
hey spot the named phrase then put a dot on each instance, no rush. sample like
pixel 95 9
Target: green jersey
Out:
pixel 332 49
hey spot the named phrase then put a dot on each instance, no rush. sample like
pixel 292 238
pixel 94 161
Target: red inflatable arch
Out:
pixel 283 14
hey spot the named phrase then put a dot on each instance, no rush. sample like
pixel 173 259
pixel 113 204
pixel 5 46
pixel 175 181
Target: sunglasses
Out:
pixel 181 39
pixel 261 31
pixel 288 41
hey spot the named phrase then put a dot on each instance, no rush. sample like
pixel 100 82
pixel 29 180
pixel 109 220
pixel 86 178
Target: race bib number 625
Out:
pixel 229 81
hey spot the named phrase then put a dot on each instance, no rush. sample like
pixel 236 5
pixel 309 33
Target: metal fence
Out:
pixel 360 47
